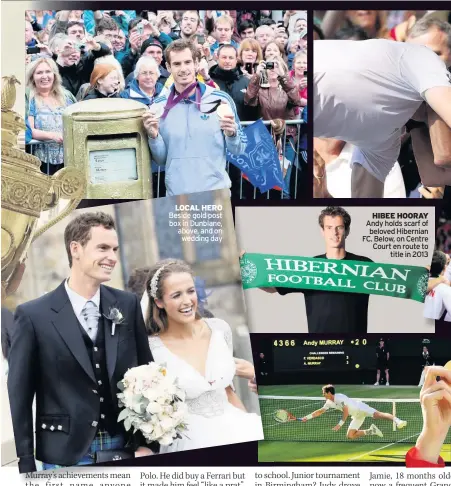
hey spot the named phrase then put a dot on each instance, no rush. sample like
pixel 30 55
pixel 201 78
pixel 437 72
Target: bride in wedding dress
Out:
pixel 199 352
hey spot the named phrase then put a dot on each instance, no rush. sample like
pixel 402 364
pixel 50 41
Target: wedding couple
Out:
pixel 73 345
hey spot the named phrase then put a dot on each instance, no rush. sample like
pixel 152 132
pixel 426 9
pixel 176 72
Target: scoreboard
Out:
pixel 292 355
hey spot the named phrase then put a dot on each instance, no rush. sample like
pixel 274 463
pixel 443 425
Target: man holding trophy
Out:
pixel 190 126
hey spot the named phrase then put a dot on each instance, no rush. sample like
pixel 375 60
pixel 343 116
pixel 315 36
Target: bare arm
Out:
pixel 244 368
pixel 440 134
pixel 60 26
pixel 433 282
pixel 430 174
pixel 43 135
pixel 332 20
pixel 313 415
pixel 439 99
pixel 233 399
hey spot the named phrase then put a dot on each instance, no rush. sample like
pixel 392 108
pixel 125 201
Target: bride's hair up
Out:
pixel 156 319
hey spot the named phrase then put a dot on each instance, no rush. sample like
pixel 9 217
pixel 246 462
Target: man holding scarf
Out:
pixel 341 312
pixel 185 132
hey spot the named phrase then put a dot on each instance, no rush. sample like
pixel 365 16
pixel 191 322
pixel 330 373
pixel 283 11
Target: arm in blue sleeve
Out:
pixel 90 23
pixel 123 20
pixel 158 150
pixel 164 39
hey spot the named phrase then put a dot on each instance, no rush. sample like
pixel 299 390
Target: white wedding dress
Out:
pixel 211 420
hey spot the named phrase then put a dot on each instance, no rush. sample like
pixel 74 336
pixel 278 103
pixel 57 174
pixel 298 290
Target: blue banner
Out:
pixel 260 162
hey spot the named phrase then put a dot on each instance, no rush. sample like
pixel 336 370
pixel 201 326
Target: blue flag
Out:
pixel 260 162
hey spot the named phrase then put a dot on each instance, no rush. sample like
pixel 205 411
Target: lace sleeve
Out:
pixel 223 326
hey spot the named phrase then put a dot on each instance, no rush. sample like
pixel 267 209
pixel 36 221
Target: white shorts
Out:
pixel 358 419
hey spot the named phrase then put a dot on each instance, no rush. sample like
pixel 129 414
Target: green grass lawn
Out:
pixel 275 451
pixel 353 391
pixel 299 444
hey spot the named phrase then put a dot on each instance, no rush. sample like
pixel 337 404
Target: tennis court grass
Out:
pixel 345 451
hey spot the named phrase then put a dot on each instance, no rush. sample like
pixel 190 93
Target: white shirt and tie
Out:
pixel 86 310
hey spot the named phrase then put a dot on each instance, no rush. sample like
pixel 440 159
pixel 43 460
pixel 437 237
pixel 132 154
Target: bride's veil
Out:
pixel 145 305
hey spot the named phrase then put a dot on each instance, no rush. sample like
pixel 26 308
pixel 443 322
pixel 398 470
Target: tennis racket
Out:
pixel 283 416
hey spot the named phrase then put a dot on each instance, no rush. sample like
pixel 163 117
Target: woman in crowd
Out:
pixel 144 86
pixel 46 101
pixel 249 52
pixel 298 76
pixel 273 50
pixel 199 352
pixel 104 82
pixel 373 22
pixel 110 60
pixel 277 103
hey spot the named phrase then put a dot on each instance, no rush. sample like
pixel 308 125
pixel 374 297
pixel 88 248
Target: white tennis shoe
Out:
pixel 376 431
pixel 401 424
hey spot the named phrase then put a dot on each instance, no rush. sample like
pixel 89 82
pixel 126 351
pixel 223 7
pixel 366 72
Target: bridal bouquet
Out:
pixel 153 403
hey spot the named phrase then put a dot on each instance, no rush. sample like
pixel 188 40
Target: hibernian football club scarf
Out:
pixel 403 281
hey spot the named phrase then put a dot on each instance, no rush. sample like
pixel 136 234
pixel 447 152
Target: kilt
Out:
pixel 103 441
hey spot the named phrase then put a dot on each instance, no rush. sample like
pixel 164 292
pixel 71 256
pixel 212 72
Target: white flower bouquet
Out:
pixel 153 403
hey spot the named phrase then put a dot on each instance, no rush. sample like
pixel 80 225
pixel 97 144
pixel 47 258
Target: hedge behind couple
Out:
pixel 72 346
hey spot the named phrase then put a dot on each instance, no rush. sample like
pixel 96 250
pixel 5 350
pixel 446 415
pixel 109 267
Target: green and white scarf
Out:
pixel 403 281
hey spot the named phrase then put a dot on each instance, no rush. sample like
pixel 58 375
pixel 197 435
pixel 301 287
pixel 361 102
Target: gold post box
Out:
pixel 106 140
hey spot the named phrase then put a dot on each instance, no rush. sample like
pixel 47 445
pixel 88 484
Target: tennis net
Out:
pixel 319 429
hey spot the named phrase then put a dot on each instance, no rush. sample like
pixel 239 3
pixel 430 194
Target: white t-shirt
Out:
pixel 366 91
pixel 339 173
pixel 340 401
pixel 437 301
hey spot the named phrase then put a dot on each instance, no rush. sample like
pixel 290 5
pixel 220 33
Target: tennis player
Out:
pixel 356 409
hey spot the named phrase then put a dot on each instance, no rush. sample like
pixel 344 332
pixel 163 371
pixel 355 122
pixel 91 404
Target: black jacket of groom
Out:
pixel 49 358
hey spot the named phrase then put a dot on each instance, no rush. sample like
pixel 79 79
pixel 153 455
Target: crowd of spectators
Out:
pixel 430 28
pixel 259 58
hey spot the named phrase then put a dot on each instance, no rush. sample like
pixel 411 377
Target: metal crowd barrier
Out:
pixel 158 174
pixel 33 144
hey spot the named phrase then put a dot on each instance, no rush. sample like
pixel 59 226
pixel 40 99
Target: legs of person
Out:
pixel 298 180
pixel 378 376
pixel 364 184
pixel 355 434
pixel 422 378
pixel 383 416
pixel 50 169
pixel 371 166
pixel 353 429
pixel 431 174
pixel 387 375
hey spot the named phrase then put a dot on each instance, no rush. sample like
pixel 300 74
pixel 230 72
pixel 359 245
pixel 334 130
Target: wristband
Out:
pixel 308 417
pixel 341 423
